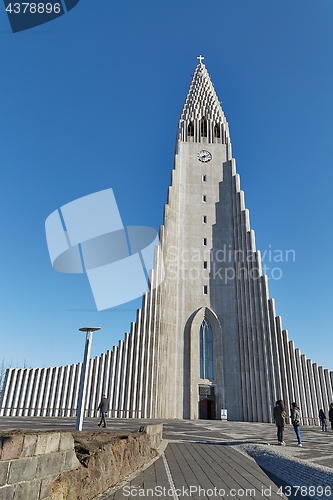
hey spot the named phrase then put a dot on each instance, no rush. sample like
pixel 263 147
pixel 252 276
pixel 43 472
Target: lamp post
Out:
pixel 83 381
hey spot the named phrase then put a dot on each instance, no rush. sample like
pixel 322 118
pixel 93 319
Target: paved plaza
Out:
pixel 214 459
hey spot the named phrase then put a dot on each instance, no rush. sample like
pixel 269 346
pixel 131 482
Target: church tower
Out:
pixel 206 337
pixel 215 320
pixel 220 343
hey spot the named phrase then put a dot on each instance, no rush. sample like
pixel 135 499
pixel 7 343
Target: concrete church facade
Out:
pixel 207 338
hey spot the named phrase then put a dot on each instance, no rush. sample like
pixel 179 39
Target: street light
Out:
pixel 82 391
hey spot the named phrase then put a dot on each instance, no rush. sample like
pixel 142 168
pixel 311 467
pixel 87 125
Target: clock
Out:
pixel 204 155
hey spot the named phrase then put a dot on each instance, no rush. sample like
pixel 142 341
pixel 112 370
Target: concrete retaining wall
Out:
pixel 70 466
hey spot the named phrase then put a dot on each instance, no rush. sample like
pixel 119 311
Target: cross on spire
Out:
pixel 200 58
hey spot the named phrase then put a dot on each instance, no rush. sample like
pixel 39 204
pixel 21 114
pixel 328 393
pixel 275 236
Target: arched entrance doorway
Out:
pixel 203 374
pixel 207 403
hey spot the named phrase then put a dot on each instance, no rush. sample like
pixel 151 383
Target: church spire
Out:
pixel 202 118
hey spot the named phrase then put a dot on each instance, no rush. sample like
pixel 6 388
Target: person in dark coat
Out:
pixel 296 421
pixel 103 408
pixel 330 415
pixel 279 414
pixel 323 420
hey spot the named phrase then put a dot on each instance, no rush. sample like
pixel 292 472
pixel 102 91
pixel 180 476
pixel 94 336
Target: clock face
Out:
pixel 204 155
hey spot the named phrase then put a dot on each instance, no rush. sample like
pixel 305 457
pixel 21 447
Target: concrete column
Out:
pixel 269 344
pixel 313 391
pixel 34 393
pixel 8 393
pixel 90 367
pixel 247 320
pixel 91 399
pixel 288 372
pixel 328 386
pixel 154 344
pixel 127 402
pixel 260 332
pixel 75 399
pixel 101 383
pixel 296 384
pixel 241 302
pixel 22 391
pixel 52 392
pixel 306 387
pixel 138 368
pixel 17 390
pixel 331 382
pixel 64 390
pixel 40 392
pixel 58 387
pixel 106 378
pixel 112 379
pixel 136 353
pixel 302 398
pixel 123 379
pixel 46 394
pixel 282 360
pixel 27 396
pixel 260 397
pixel 142 357
pixel 323 389
pixel 320 400
pixel 241 310
pixel 69 391
pixel 146 374
pixel 117 378
pixel 275 350
pixel 269 383
pixel 157 321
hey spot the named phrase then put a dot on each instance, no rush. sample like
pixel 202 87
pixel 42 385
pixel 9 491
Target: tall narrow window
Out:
pixel 206 350
pixel 203 127
pixel 204 178
pixel 205 264
pixel 190 129
pixel 204 198
pixel 204 218
pixel 217 130
pixel 205 290
pixel 205 242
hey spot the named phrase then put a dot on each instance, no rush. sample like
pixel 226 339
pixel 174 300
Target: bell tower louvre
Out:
pixel 207 337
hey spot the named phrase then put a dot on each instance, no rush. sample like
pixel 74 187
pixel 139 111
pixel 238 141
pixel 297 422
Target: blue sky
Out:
pixel 91 100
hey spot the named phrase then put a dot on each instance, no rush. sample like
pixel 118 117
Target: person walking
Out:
pixel 103 408
pixel 279 414
pixel 330 415
pixel 296 421
pixel 323 420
